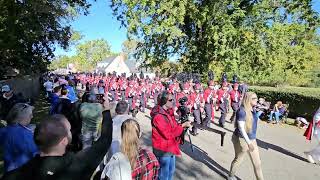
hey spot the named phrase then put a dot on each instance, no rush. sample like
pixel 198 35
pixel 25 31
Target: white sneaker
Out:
pixel 309 158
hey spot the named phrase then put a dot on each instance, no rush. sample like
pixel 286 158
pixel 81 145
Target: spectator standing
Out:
pixel 17 138
pixel 166 134
pixel 122 110
pixel 144 164
pixel 54 99
pixel 48 85
pixel 7 100
pixel 91 116
pixel 244 136
pixel 72 95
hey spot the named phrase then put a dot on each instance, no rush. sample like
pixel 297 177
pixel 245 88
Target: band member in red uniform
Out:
pixel 123 86
pixel 148 91
pixel 113 89
pixel 197 103
pixel 210 96
pixel 235 100
pixel 156 89
pixel 142 93
pixel 223 97
pixel 130 94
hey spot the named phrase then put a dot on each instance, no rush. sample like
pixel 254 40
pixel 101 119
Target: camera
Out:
pixel 183 110
pixel 183 101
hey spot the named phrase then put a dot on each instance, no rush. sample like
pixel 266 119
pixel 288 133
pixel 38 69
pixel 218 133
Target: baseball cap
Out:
pixel 5 88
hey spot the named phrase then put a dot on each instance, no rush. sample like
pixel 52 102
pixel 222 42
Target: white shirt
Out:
pixel 116 132
pixel 48 85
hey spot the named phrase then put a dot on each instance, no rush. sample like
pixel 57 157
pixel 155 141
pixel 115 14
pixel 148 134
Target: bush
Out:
pixel 303 102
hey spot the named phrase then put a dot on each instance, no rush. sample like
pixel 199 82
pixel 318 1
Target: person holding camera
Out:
pixel 166 134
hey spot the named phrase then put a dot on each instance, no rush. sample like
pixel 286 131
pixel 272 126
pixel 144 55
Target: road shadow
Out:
pixel 267 146
pixel 201 156
pixel 222 127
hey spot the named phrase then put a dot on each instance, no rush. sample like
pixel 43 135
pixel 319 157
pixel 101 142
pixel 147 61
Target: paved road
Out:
pixel 281 149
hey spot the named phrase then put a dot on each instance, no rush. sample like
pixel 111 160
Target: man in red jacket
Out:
pixel 166 134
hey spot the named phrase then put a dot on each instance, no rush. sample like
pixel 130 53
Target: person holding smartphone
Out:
pixel 244 136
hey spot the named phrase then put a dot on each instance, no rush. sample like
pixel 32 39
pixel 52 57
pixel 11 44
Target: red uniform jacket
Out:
pixel 235 96
pixel 222 95
pixel 209 94
pixel 113 85
pixel 165 131
pixel 196 100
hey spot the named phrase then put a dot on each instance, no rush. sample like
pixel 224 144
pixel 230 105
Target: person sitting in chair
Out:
pixel 278 111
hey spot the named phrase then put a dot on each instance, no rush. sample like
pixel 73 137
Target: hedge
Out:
pixel 303 102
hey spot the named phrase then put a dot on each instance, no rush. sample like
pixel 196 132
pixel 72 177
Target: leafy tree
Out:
pixel 29 31
pixel 263 41
pixel 88 54
pixel 129 48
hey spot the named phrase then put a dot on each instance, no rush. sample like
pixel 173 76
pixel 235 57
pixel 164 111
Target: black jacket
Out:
pixel 69 166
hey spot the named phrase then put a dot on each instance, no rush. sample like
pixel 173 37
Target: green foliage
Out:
pixel 88 54
pixel 29 31
pixel 129 48
pixel 303 101
pixel 266 42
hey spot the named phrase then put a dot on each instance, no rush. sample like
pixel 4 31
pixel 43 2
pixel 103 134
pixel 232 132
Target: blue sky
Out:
pixel 101 24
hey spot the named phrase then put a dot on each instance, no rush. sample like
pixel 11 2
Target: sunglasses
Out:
pixel 170 100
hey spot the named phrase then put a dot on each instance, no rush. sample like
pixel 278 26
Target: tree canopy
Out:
pixel 30 31
pixel 263 41
pixel 88 54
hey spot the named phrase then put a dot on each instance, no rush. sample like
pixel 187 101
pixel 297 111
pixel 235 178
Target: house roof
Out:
pixel 132 65
pixel 108 59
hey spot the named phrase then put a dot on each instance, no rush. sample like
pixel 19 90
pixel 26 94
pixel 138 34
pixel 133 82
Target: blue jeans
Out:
pixel 259 113
pixel 276 114
pixel 167 167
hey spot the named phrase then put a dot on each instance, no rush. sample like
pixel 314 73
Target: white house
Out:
pixel 120 65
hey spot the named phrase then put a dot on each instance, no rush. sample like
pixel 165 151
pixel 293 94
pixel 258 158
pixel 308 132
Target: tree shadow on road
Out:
pixel 267 146
pixel 201 156
pixel 216 124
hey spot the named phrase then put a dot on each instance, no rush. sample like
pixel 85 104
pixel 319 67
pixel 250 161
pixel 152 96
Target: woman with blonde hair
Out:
pixel 244 136
pixel 144 163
